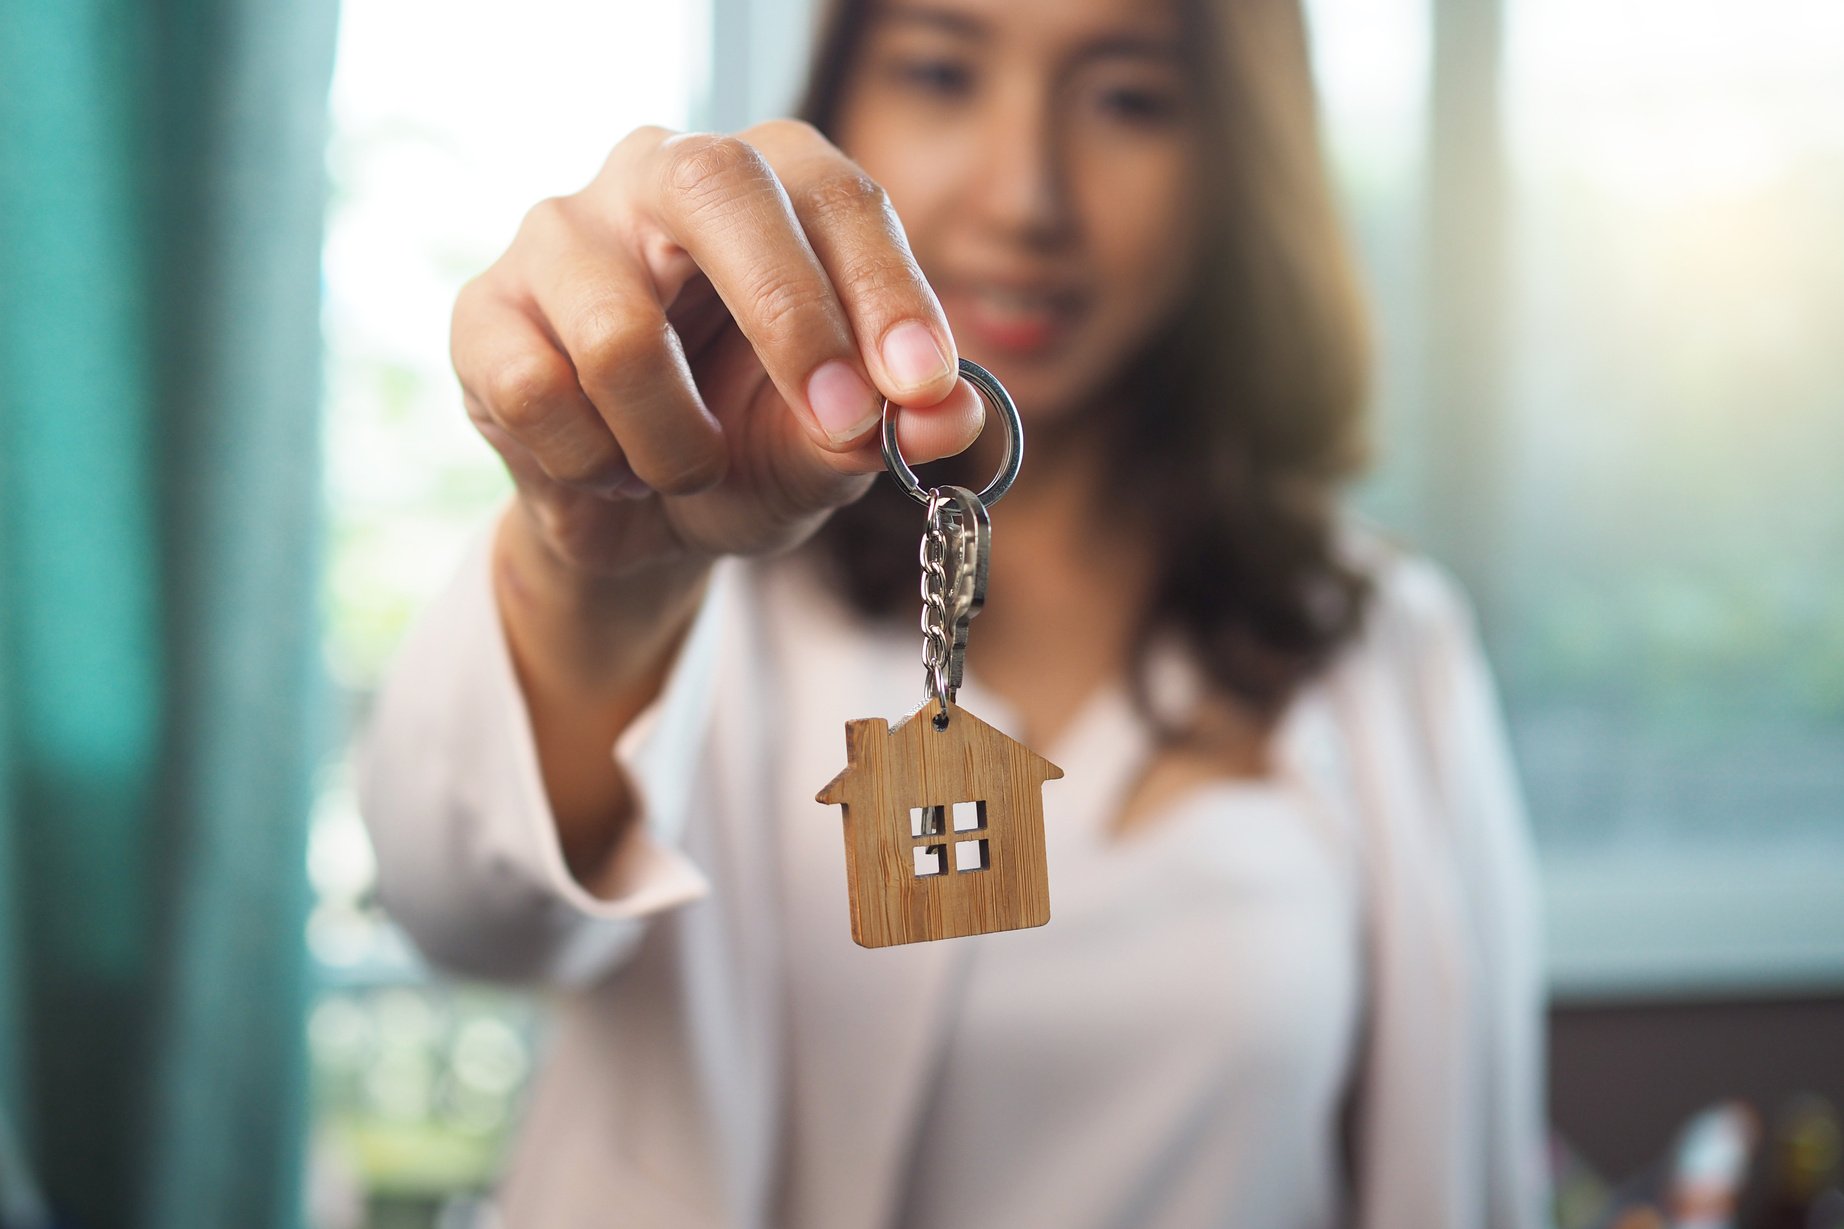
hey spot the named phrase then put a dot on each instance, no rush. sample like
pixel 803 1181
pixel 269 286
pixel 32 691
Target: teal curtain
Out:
pixel 161 201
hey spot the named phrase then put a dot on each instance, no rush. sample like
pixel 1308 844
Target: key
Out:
pixel 968 535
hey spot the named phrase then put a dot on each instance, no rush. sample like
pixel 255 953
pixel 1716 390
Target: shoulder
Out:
pixel 1418 686
pixel 1418 656
pixel 1419 614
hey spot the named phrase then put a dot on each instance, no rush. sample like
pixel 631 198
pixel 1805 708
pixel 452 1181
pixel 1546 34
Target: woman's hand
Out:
pixel 687 358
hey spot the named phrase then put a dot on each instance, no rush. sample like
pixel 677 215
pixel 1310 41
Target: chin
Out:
pixel 1047 397
pixel 1042 400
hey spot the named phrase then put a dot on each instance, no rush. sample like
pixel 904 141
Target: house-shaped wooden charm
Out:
pixel 944 828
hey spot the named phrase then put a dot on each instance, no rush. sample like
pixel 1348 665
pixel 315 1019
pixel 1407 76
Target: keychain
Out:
pixel 943 814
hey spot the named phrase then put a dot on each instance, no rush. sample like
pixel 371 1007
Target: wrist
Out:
pixel 600 631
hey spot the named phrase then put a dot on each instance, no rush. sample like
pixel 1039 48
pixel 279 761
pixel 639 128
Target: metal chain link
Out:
pixel 933 553
pixel 956 539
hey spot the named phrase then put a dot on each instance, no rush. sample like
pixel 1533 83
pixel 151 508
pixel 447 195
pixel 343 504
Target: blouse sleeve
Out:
pixel 1472 767
pixel 469 860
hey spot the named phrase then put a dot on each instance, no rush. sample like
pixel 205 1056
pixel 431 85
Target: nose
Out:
pixel 1023 191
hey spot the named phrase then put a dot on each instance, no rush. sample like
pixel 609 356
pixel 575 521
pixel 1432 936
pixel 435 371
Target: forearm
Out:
pixel 590 653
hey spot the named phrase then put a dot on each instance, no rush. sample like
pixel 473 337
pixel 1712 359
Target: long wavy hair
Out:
pixel 1258 384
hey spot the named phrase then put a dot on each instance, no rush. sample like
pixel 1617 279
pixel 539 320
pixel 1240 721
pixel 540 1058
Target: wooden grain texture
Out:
pixel 890 770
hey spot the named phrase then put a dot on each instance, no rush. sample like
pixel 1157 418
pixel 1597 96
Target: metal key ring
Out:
pixel 1000 400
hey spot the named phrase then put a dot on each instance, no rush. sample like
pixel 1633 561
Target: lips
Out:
pixel 1020 319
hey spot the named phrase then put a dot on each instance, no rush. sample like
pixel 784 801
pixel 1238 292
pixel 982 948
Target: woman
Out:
pixel 1290 977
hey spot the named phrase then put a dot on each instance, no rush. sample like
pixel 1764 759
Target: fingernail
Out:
pixel 630 486
pixel 912 356
pixel 844 404
pixel 621 482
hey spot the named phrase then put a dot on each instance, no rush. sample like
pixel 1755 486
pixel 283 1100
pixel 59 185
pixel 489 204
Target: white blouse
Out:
pixel 1180 1036
pixel 1303 1001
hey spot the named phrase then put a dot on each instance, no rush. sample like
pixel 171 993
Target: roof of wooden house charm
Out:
pixel 944 828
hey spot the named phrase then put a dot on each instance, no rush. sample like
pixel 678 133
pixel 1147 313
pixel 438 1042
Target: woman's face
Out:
pixel 1042 155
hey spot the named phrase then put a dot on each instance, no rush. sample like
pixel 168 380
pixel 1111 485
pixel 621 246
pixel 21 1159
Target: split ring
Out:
pixel 1000 400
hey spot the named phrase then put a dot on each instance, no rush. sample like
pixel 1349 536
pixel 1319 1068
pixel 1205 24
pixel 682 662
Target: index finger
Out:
pixel 847 217
pixel 718 198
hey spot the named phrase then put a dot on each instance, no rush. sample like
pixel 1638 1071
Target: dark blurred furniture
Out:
pixel 1624 1077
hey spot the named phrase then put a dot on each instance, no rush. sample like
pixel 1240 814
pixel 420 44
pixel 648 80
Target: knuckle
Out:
pixel 645 136
pixel 523 390
pixel 782 306
pixel 630 149
pixel 846 193
pixel 787 131
pixel 702 166
pixel 468 303
pixel 610 339
pixel 548 217
pixel 472 291
pixel 885 276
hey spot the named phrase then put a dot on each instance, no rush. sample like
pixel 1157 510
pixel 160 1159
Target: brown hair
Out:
pixel 1259 383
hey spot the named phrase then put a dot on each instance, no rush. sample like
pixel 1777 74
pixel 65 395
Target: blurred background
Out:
pixel 1603 247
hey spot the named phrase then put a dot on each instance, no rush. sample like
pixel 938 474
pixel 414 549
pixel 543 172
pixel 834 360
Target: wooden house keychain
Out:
pixel 943 814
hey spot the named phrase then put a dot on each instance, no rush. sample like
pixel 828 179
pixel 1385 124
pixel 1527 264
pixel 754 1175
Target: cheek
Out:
pixel 905 161
pixel 1141 234
pixel 1145 233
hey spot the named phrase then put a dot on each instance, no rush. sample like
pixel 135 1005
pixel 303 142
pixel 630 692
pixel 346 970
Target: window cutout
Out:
pixel 970 855
pixel 925 821
pixel 970 816
pixel 931 859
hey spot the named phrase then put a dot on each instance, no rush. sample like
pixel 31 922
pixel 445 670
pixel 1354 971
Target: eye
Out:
pixel 935 76
pixel 1141 106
